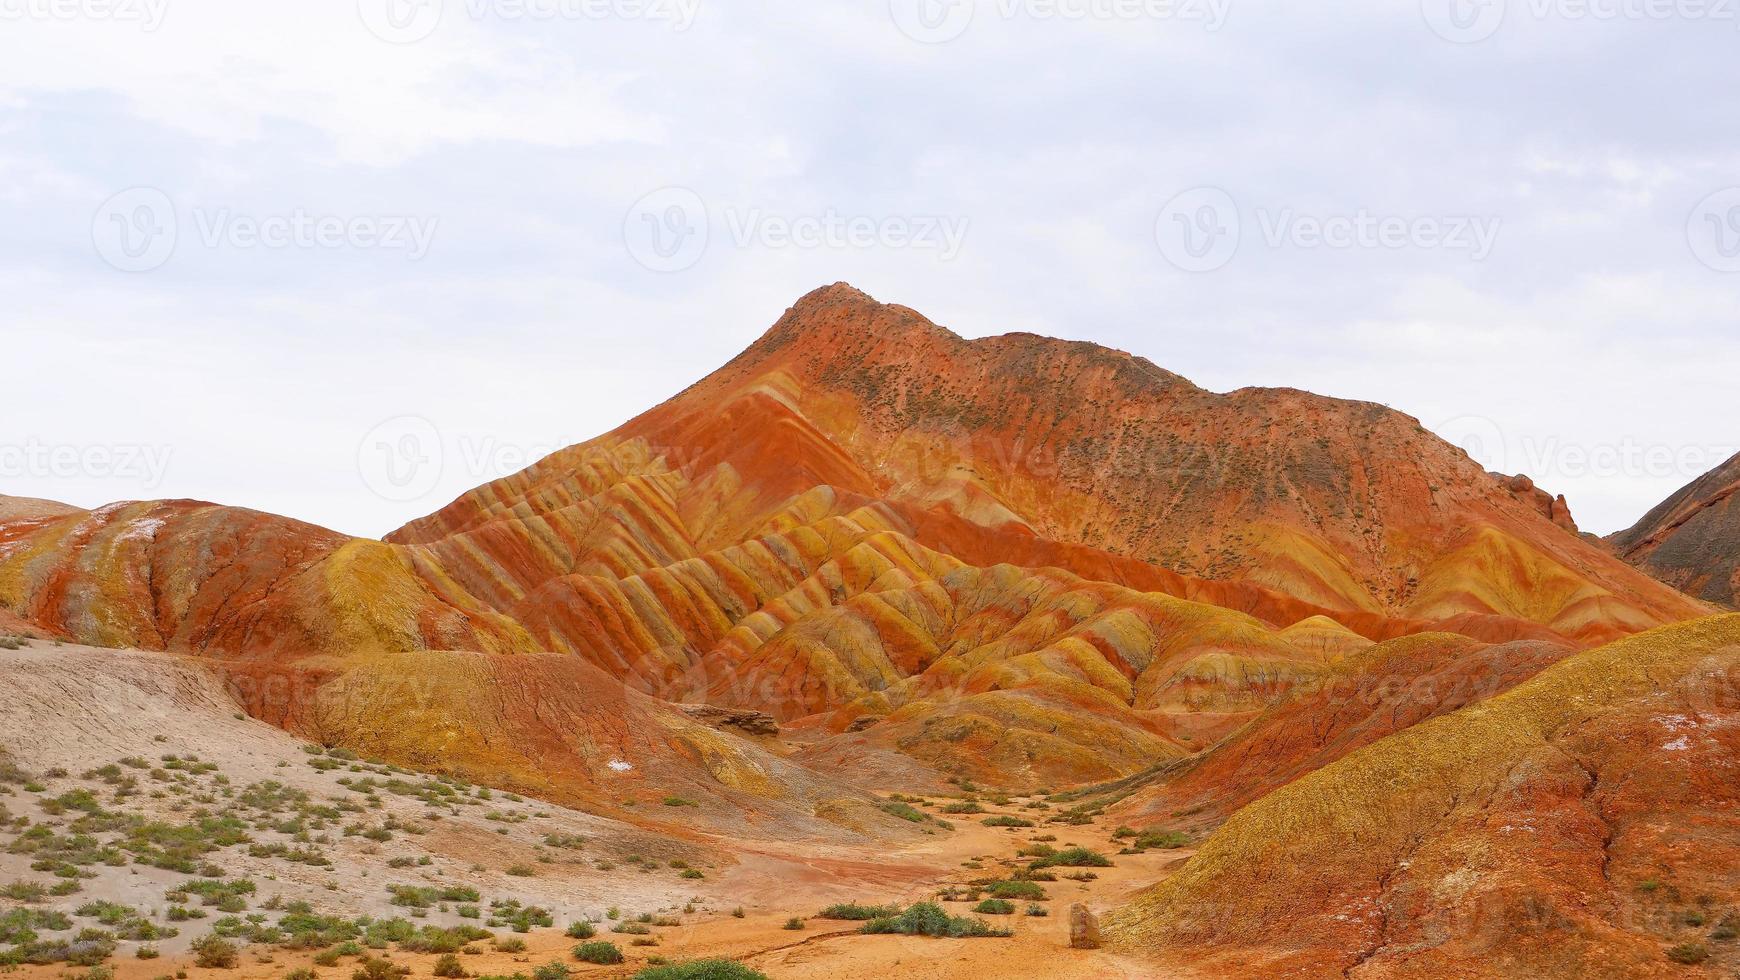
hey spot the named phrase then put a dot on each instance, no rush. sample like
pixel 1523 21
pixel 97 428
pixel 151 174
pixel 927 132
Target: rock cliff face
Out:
pixel 1692 540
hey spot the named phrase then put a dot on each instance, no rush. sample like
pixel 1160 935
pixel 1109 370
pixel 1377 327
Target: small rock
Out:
pixel 1084 928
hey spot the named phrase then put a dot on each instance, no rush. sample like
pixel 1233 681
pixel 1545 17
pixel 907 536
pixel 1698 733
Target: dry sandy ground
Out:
pixel 78 709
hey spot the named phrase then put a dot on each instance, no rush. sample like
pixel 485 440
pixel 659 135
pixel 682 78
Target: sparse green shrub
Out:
pixel 994 906
pixel 1074 857
pixel 1689 953
pixel 1160 840
pixel 213 952
pixel 372 968
pixel 853 912
pixel 701 970
pixel 601 953
pixel 794 924
pixel 1016 889
pixel 581 930
pixel 449 966
pixel 929 919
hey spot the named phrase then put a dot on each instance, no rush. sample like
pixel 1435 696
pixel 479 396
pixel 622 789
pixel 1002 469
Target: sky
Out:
pixel 345 259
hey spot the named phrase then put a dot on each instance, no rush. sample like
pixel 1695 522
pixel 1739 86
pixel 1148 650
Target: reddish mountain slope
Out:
pixel 1692 540
pixel 1347 506
pixel 1581 824
pixel 1022 559
pixel 1371 693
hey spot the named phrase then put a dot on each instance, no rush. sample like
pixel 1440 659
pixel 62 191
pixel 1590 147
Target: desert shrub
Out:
pixel 963 808
pixel 701 970
pixel 1161 840
pixel 1688 953
pixel 1074 857
pixel 449 966
pixel 794 924
pixel 1037 911
pixel 904 812
pixel 510 944
pixel 1006 822
pixel 1016 889
pixel 582 930
pixel 25 891
pixel 214 952
pixel 601 953
pixel 630 929
pixel 372 968
pixel 422 897
pixel 303 973
pixel 994 906
pixel 853 912
pixel 146 953
pixel 929 919
pixel 521 918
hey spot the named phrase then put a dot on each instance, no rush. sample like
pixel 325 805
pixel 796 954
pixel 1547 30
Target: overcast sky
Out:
pixel 343 261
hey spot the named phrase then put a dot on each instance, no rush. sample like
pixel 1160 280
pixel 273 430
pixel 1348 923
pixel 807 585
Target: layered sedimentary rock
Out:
pixel 1026 560
pixel 1583 823
pixel 1692 540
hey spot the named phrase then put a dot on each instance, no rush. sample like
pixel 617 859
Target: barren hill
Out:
pixel 1024 560
pixel 1692 539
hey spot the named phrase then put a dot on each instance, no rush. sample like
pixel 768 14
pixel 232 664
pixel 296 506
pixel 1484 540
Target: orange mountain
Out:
pixel 1025 560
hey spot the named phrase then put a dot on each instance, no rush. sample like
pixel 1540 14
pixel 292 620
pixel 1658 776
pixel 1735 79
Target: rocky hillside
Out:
pixel 1692 540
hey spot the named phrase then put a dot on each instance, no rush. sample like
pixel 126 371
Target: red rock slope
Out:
pixel 1021 558
pixel 1692 540
pixel 1585 823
